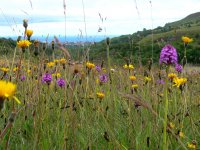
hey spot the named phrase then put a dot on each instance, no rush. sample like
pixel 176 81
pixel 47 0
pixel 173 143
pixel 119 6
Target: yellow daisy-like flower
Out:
pixel 186 39
pixel 171 125
pixel 179 81
pixel 58 75
pixel 90 65
pixel 191 145
pixel 135 86
pixel 23 43
pixel 100 95
pixel 28 71
pixel 29 33
pixel 5 70
pixel 128 66
pixel 147 79
pixel 63 61
pixel 132 78
pixel 181 134
pixel 7 90
pixel 172 76
pixel 56 61
pixel 50 64
pixel 15 69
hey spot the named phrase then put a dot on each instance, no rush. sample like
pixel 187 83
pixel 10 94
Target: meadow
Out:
pixel 53 102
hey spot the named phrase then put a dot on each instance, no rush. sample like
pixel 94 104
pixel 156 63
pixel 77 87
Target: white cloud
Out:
pixel 46 16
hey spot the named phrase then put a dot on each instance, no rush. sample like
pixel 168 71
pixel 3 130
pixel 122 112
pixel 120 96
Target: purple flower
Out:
pixel 103 78
pixel 98 68
pixel 61 82
pixel 46 78
pixel 160 81
pixel 168 55
pixel 179 68
pixel 23 78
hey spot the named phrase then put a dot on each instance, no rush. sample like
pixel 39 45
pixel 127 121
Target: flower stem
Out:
pixel 165 146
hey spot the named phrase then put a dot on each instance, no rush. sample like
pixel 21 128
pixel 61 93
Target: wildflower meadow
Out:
pixel 54 101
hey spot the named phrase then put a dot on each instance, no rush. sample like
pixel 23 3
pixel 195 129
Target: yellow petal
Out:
pixel 17 100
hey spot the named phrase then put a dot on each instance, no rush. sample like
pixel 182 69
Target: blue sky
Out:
pixel 120 16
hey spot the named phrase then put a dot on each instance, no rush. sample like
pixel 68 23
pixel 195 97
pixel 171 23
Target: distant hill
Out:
pixel 140 44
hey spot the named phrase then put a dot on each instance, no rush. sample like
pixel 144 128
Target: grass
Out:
pixel 73 117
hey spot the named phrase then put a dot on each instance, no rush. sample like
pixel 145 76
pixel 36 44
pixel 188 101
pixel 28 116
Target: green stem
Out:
pixel 165 146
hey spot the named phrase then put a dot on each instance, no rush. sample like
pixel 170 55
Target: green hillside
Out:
pixel 138 46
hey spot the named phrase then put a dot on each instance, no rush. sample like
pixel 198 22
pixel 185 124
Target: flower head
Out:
pixel 100 95
pixel 23 44
pixel 98 68
pixel 132 78
pixel 178 68
pixel 135 86
pixel 192 145
pixel 179 81
pixel 160 81
pixel 129 66
pixel 103 78
pixel 47 78
pixel 50 64
pixel 172 76
pixel 61 82
pixel 7 90
pixel 57 75
pixel 186 39
pixel 168 55
pixel 63 61
pixel 29 33
pixel 23 78
pixel 5 70
pixel 90 65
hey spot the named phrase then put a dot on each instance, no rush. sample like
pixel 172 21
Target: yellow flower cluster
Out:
pixel 90 65
pixel 100 95
pixel 57 75
pixel 191 145
pixel 4 69
pixel 186 39
pixel 50 64
pixel 128 66
pixel 172 76
pixel 179 81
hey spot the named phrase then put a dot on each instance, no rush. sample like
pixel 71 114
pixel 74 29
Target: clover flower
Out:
pixel 103 78
pixel 178 68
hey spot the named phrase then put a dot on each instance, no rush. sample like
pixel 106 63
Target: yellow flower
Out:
pixel 179 81
pixel 100 95
pixel 29 33
pixel 171 125
pixel 56 75
pixel 4 69
pixel 90 65
pixel 56 61
pixel 132 78
pixel 186 39
pixel 128 66
pixel 135 86
pixel 7 90
pixel 147 79
pixel 15 69
pixel 172 76
pixel 181 134
pixel 28 71
pixel 104 70
pixel 23 43
pixel 50 64
pixel 192 145
pixel 63 61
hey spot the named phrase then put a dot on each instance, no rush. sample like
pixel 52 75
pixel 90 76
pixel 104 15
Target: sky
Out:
pixel 85 17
